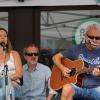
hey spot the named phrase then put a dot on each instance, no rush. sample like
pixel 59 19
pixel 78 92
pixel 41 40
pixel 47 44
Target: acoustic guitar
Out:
pixel 57 80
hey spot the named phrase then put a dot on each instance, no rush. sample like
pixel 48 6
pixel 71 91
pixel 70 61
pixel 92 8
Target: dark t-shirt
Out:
pixel 90 57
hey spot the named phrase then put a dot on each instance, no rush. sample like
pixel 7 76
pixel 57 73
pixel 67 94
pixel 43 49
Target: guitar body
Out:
pixel 57 80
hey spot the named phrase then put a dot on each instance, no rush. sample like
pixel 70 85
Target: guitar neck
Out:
pixel 85 70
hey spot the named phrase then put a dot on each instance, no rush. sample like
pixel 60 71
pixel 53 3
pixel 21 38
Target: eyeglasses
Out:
pixel 31 54
pixel 93 37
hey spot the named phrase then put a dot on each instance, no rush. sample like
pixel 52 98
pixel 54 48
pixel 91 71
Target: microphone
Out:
pixel 88 40
pixel 3 45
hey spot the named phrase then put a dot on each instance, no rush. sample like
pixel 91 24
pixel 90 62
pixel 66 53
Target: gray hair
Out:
pixel 93 26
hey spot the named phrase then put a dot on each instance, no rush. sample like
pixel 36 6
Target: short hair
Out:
pixel 30 45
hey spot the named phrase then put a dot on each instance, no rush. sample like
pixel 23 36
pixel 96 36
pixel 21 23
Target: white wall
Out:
pixel 46 2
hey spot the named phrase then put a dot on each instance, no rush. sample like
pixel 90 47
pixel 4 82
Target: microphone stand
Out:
pixel 6 76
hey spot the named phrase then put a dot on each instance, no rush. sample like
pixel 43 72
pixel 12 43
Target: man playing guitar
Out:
pixel 90 53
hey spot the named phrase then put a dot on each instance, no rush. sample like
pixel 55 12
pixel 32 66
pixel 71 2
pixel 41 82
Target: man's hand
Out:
pixel 96 71
pixel 66 72
pixel 15 84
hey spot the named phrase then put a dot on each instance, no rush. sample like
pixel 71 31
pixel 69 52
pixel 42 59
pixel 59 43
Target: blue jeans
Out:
pixel 90 93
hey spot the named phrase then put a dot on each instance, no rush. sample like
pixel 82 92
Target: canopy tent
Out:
pixel 57 24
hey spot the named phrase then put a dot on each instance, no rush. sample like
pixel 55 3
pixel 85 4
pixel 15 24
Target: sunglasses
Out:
pixel 93 37
pixel 31 54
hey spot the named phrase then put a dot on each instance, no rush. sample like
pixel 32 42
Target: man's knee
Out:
pixel 67 90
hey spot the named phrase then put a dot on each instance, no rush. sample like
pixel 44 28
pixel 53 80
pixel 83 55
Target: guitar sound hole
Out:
pixel 73 71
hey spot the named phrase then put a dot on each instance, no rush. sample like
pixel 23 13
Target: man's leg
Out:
pixel 67 92
pixel 95 93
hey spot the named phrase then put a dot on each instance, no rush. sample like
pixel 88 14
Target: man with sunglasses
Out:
pixel 35 76
pixel 88 52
